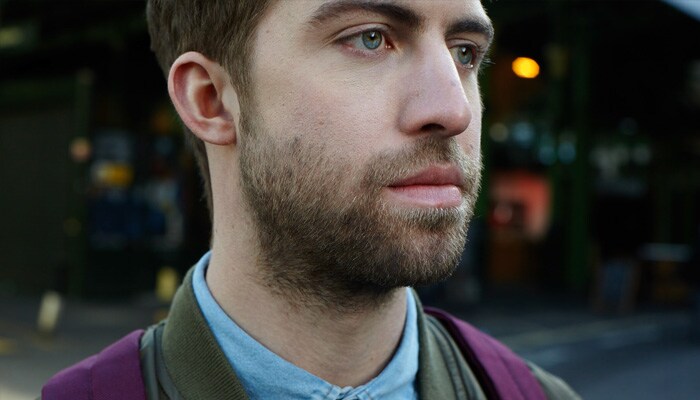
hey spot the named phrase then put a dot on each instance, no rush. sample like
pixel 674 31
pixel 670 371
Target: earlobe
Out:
pixel 198 87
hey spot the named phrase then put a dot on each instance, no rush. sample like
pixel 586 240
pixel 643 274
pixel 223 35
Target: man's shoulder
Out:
pixel 117 368
pixel 490 364
pixel 554 387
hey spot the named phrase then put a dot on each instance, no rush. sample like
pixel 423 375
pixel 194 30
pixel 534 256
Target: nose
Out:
pixel 435 101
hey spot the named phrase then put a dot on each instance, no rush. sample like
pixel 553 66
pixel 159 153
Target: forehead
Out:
pixel 420 13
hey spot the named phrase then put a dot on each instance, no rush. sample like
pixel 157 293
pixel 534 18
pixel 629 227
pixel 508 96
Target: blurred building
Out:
pixel 97 191
pixel 603 131
pixel 590 141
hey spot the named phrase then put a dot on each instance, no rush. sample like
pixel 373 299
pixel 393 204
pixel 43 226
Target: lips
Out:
pixel 432 176
pixel 432 187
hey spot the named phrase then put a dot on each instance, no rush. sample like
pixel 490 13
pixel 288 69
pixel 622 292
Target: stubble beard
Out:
pixel 327 239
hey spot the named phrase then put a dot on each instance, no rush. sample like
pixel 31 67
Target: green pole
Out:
pixel 578 265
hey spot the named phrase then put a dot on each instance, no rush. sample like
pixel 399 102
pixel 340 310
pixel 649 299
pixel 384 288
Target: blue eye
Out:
pixel 372 39
pixel 465 55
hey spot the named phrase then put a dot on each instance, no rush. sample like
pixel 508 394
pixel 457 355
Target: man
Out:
pixel 339 141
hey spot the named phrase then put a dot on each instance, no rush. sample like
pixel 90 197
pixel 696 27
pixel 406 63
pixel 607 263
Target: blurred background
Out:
pixel 583 256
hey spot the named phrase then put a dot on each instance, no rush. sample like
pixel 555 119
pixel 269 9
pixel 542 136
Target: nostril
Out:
pixel 432 127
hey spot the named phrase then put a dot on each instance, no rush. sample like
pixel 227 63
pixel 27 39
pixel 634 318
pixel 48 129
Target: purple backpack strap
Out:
pixel 114 373
pixel 501 373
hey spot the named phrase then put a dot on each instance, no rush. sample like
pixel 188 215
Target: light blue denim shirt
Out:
pixel 265 375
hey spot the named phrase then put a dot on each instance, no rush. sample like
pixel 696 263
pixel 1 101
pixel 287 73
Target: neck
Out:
pixel 306 331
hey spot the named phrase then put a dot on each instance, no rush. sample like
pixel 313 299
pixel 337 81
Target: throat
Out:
pixel 313 332
pixel 364 336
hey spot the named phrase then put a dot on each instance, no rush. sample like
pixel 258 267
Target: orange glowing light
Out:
pixel 526 67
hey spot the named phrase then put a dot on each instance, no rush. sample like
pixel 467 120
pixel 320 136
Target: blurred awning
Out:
pixel 690 7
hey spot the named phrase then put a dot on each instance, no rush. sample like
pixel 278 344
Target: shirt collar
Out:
pixel 266 375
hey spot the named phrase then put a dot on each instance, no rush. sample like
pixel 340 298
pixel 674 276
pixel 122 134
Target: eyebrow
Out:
pixel 337 9
pixel 391 10
pixel 472 25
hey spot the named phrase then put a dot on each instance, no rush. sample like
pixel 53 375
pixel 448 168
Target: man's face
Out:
pixel 360 146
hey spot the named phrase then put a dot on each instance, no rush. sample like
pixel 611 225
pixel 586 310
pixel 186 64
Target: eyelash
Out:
pixel 476 55
pixel 386 44
pixel 477 51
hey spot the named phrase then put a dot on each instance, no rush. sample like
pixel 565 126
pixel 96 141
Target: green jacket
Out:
pixel 182 360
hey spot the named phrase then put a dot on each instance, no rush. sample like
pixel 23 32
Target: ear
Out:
pixel 204 97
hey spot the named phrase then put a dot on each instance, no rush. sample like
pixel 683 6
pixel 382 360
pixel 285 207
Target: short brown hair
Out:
pixel 221 30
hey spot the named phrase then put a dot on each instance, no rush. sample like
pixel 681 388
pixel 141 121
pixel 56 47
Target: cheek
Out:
pixel 471 142
pixel 346 121
pixel 471 139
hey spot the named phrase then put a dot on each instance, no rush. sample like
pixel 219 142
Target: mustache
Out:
pixel 391 166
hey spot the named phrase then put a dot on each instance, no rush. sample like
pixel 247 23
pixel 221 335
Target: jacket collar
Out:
pixel 199 369
pixel 195 363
